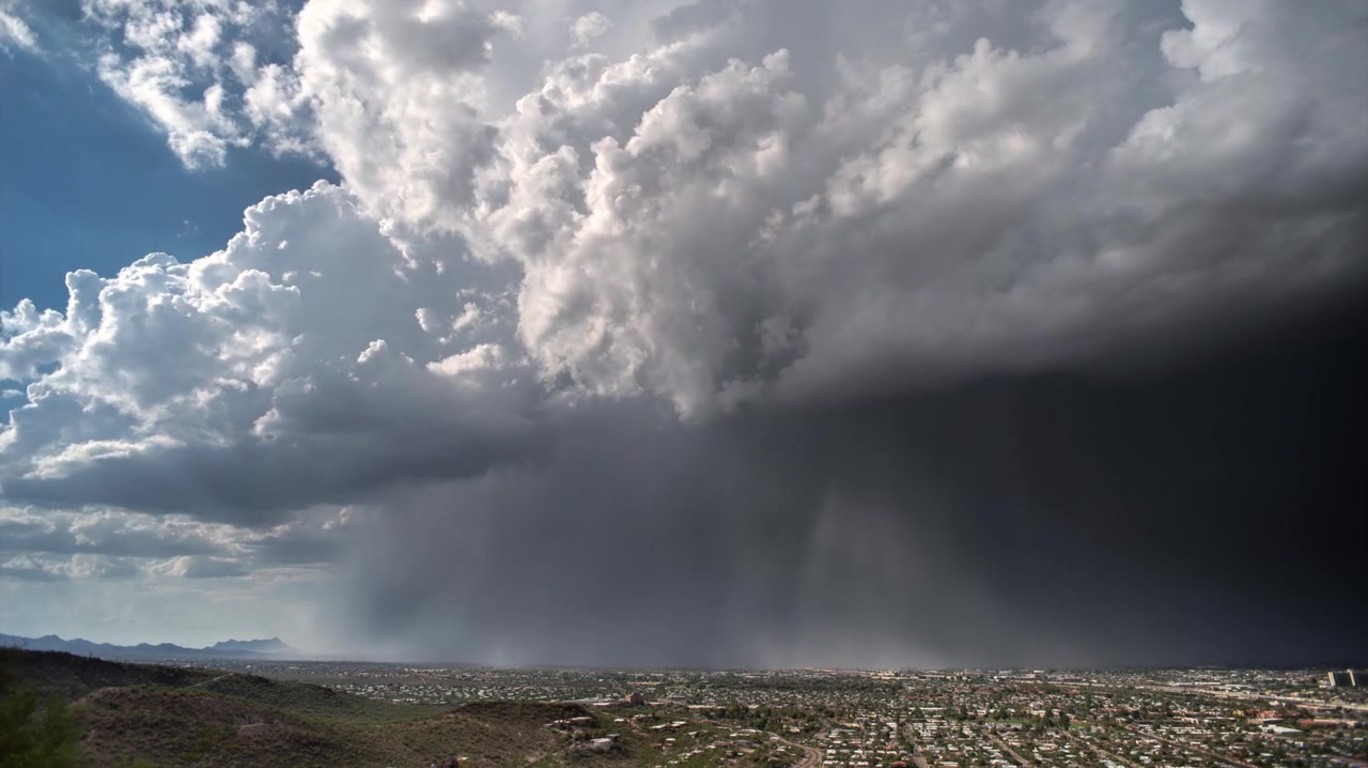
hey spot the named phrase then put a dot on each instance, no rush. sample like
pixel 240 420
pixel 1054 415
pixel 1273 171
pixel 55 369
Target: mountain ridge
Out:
pixel 264 645
pixel 272 647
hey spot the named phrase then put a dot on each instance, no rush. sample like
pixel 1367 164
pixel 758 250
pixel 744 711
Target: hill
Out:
pixel 168 716
pixel 71 677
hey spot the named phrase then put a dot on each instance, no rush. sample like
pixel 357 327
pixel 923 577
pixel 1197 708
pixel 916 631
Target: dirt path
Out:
pixel 212 681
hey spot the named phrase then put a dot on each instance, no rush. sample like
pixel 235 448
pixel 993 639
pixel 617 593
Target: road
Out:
pixel 916 750
pixel 1002 745
pixel 812 756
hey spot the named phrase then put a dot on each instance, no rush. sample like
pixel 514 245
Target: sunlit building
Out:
pixel 1349 678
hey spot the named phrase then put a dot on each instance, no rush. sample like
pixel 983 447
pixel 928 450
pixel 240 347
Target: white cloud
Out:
pixel 742 208
pixel 481 357
pixel 177 62
pixel 45 568
pixel 253 353
pixel 908 221
pixel 396 91
pixel 589 26
pixel 14 31
pixel 639 288
pixel 198 567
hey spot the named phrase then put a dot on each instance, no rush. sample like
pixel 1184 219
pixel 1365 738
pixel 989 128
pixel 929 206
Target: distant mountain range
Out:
pixel 269 645
pixel 233 649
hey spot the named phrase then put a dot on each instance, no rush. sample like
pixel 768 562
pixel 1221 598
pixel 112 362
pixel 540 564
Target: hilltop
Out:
pixel 171 716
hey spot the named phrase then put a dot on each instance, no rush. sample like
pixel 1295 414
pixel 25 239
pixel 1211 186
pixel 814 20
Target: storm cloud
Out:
pixel 1199 515
pixel 734 333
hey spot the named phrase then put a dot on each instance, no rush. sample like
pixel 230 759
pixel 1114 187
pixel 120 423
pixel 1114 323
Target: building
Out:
pixel 1349 678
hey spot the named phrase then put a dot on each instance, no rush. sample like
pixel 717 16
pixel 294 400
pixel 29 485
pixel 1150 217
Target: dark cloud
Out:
pixel 1196 515
pixel 305 546
pixel 258 484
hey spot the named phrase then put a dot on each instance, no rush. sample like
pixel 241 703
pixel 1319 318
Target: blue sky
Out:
pixel 87 182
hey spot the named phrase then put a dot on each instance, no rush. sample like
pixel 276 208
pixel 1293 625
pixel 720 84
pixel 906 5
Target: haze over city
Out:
pixel 715 334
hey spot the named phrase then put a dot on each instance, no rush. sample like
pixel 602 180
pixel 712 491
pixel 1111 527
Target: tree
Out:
pixel 34 732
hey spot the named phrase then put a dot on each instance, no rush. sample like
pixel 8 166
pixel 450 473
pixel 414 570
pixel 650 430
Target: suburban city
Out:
pixel 927 719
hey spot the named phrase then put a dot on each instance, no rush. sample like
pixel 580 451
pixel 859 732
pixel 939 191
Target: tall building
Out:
pixel 1349 678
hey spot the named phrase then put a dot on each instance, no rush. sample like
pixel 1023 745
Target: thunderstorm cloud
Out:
pixel 726 332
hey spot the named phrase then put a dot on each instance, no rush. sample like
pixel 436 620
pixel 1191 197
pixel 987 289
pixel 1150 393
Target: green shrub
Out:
pixel 35 732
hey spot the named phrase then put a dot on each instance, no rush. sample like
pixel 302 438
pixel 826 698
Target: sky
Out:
pixel 727 333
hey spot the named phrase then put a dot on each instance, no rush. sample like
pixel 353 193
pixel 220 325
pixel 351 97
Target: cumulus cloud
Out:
pixel 716 214
pixel 396 91
pixel 755 235
pixel 182 65
pixel 206 387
